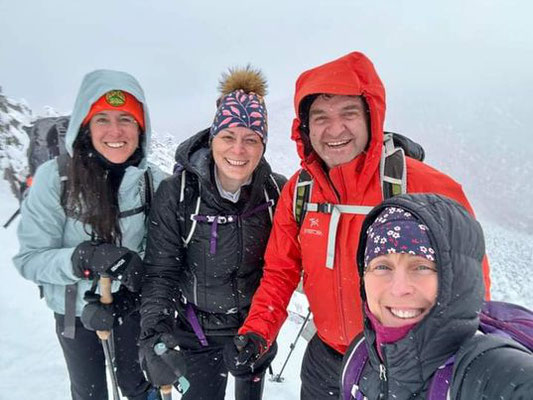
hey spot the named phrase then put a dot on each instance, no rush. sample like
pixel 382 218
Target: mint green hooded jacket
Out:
pixel 46 235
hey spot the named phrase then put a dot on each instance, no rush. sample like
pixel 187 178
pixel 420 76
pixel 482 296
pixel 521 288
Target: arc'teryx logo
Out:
pixel 313 223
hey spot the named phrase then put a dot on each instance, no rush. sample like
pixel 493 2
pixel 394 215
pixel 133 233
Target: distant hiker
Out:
pixel 338 129
pixel 84 217
pixel 419 261
pixel 208 230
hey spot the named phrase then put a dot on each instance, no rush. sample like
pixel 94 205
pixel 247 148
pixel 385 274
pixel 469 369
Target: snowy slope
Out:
pixel 31 358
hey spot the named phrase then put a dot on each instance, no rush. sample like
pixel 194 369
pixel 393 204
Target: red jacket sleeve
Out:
pixel 424 179
pixel 281 274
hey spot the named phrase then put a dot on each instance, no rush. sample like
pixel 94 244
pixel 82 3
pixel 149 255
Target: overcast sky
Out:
pixel 178 49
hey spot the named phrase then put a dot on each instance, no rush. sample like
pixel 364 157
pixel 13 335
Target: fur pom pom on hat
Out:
pixel 241 103
pixel 248 79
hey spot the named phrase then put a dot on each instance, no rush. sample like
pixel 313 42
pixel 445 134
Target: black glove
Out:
pixel 166 367
pixel 248 355
pixel 95 258
pixel 103 317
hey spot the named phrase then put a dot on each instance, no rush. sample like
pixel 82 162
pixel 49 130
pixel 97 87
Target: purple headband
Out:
pixel 241 109
pixel 397 231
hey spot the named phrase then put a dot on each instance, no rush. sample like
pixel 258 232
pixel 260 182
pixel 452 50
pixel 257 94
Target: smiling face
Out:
pixel 237 152
pixel 400 288
pixel 114 134
pixel 338 128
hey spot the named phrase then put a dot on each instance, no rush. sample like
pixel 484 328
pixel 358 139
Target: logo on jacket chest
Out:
pixel 314 228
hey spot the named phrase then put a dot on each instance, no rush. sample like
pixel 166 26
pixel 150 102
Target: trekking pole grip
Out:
pixel 166 392
pixel 105 298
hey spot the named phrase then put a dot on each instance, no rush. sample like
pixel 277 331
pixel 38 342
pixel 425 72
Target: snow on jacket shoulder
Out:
pixel 337 312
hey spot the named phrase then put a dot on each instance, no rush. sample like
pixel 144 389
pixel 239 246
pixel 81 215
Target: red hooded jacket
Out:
pixel 333 294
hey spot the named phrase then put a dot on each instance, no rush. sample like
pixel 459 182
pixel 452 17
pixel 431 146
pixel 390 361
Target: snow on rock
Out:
pixel 15 116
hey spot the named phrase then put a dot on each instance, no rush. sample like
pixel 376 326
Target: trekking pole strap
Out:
pixel 195 324
pixel 335 210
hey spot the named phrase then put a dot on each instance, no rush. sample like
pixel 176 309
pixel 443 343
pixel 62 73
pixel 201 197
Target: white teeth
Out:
pixel 335 144
pixel 116 145
pixel 236 162
pixel 405 314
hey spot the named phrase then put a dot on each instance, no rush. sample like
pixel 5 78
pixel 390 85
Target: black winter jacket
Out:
pixel 486 366
pixel 220 285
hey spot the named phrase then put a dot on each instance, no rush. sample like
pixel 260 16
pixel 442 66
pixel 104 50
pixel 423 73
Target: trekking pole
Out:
pixel 161 350
pixel 10 220
pixel 278 377
pixel 107 298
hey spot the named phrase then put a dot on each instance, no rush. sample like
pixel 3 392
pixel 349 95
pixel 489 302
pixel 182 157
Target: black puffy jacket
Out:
pixel 220 285
pixel 486 366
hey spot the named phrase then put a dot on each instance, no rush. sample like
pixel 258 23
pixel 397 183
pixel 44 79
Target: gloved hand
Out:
pixel 92 258
pixel 103 317
pixel 248 355
pixel 166 367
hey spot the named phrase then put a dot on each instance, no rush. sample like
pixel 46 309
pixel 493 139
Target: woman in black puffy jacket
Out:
pixel 420 259
pixel 209 227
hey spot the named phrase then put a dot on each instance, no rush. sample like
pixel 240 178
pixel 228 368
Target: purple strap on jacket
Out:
pixel 358 361
pixel 353 370
pixel 215 220
pixel 440 383
pixel 195 324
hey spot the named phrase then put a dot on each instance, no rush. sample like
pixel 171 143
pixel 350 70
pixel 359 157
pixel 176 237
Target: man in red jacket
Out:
pixel 340 108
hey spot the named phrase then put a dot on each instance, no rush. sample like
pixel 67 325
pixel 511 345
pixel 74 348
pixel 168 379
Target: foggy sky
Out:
pixel 178 49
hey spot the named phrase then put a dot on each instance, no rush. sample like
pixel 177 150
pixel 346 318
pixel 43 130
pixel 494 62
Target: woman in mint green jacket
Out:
pixel 84 217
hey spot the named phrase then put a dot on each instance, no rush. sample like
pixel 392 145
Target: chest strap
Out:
pixel 215 220
pixel 335 210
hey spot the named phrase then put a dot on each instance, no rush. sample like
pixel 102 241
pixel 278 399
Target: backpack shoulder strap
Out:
pixel 184 216
pixel 302 194
pixel 355 361
pixel 439 388
pixel 148 190
pixel 392 168
pixel 272 191
pixel 62 168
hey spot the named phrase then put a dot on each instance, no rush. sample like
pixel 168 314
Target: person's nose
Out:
pixel 401 284
pixel 238 147
pixel 336 127
pixel 114 128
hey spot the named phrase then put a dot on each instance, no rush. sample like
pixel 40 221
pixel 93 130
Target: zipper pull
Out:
pixel 382 372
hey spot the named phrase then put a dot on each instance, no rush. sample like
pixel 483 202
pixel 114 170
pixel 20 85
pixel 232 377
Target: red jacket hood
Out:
pixel 352 74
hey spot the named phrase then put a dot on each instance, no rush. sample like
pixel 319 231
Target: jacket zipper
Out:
pixel 384 392
pixel 240 247
pixel 195 289
pixel 339 274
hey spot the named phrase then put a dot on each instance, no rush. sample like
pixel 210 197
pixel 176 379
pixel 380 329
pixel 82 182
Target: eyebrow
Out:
pixel 349 107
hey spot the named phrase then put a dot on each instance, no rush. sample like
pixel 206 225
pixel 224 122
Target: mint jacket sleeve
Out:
pixel 42 257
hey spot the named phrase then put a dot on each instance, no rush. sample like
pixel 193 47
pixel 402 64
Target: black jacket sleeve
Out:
pixel 163 261
pixel 502 371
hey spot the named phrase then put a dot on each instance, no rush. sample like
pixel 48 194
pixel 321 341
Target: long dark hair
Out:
pixel 92 186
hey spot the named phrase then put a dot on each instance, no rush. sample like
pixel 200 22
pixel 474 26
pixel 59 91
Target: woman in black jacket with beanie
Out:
pixel 208 231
